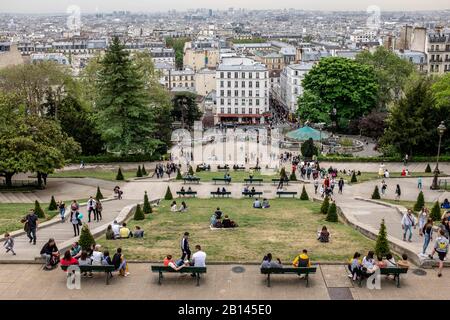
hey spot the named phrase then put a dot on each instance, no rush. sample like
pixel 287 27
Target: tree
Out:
pixel 428 168
pixel 436 212
pixel 179 177
pixel 392 73
pixel 420 202
pixel 124 114
pixel 325 205
pixel 382 243
pixel 178 45
pixel 38 210
pixel 338 83
pixel 139 172
pixel 293 176
pixel 185 109
pixel 373 124
pixel 376 193
pixel 168 195
pixel 86 240
pixel 332 213
pixel 99 195
pixel 52 206
pixel 191 171
pixel 304 195
pixel 138 213
pixel 144 172
pixel 119 175
pixel 147 207
pixel 309 149
pixel 353 179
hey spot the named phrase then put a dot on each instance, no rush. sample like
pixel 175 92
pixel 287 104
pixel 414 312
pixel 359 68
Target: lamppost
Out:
pixel 440 129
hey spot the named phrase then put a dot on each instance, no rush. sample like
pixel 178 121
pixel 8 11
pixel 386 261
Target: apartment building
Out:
pixel 242 91
pixel 291 83
pixel 179 79
pixel 201 54
pixel 205 81
pixel 438 48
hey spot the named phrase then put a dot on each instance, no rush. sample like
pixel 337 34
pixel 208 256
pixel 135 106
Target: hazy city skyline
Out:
pixel 89 6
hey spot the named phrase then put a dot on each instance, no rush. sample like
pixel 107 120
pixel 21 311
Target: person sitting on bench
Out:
pixel 189 189
pixel 168 262
pixel 302 260
pixel 404 263
pixel 368 264
pixel 355 266
pixel 265 204
pixel 246 189
pixel 268 263
pixel 323 235
pixel 120 264
pixel 227 176
pixel 253 190
pixel 257 204
pixel 227 223
pixel 173 206
pixel 224 190
pixel 138 232
pixel 182 190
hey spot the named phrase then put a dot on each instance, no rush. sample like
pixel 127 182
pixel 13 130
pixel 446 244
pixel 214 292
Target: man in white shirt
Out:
pixel 116 229
pixel 199 257
pixel 90 207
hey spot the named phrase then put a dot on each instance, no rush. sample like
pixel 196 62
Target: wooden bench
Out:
pixel 239 168
pixel 223 194
pixel 193 270
pixel 188 193
pixel 275 181
pixel 251 194
pixel 281 193
pixel 225 180
pixel 248 180
pixel 223 168
pixel 256 168
pixel 299 271
pixel 191 179
pixel 394 271
pixel 106 269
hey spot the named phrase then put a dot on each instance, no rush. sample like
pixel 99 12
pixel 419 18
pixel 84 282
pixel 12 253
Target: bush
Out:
pixel 420 202
pixel 308 149
pixel 304 195
pixel 293 176
pixel 436 212
pixel 179 177
pixel 52 206
pixel 139 172
pixel 354 180
pixel 376 193
pixel 332 213
pixel 108 158
pixel 382 244
pixel 428 168
pixel 325 205
pixel 197 169
pixel 99 195
pixel 144 172
pixel 86 240
pixel 119 175
pixel 191 171
pixel 38 210
pixel 147 207
pixel 168 195
pixel 138 214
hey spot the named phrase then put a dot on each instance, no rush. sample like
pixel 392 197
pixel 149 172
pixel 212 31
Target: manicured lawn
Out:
pixel 105 174
pixel 368 176
pixel 12 213
pixel 289 226
pixel 236 176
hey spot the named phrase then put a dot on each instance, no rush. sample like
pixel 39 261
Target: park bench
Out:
pixel 223 194
pixel 395 271
pixel 191 179
pixel 223 167
pixel 283 193
pixel 251 180
pixel 251 194
pixel 187 193
pixel 106 269
pixel 255 168
pixel 193 270
pixel 226 180
pixel 238 168
pixel 299 271
pixel 275 181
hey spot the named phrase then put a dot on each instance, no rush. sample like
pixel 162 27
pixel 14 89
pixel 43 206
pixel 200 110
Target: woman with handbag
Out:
pixel 76 222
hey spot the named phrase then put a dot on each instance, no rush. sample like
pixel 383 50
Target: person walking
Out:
pixel 91 208
pixel 75 219
pixel 398 192
pixel 62 210
pixel 185 251
pixel 31 222
pixel 341 185
pixel 9 243
pixel 408 222
pixel 98 210
pixel 316 185
pixel 419 183
pixel 441 247
pixel 427 232
pixel 423 218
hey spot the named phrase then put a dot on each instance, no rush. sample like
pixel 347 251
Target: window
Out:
pixel 243 75
pixel 236 75
pixel 222 110
pixel 229 102
pixel 229 84
pixel 221 84
pixel 250 84
pixel 257 103
pixel 257 84
pixel 236 102
pixel 229 110
pixel 243 93
pixel 250 102
pixel 243 84
pixel 222 102
pixel 192 78
pixel 250 93
pixel 236 93
pixel 257 75
pixel 221 74
pixel 243 102
pixel 250 111
pixel 250 75
pixel 236 110
pixel 257 110
pixel 228 75
pixel 437 47
pixel 243 110
pixel 228 93
pixel 236 84
pixel 222 93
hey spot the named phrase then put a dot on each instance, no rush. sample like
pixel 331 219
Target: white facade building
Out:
pixel 242 91
pixel 291 83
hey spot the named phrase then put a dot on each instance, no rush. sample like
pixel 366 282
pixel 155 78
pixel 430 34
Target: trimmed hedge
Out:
pixel 350 158
pixel 107 158
pixel 382 243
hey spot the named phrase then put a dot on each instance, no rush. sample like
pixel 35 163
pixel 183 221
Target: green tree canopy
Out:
pixel 185 109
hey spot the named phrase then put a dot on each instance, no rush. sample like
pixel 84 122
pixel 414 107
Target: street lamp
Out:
pixel 440 129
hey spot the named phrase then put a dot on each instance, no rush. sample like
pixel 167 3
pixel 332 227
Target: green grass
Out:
pixel 236 176
pixel 369 176
pixel 289 226
pixel 12 213
pixel 105 174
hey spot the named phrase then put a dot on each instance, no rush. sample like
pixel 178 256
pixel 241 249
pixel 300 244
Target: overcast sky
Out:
pixel 52 6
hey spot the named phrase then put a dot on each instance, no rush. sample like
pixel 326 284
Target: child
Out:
pixel 9 244
pixel 355 266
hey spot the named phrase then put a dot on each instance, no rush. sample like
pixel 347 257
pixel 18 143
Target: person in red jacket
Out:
pixel 68 260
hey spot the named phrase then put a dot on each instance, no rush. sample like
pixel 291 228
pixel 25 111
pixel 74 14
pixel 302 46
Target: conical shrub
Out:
pixel 119 175
pixel 38 210
pixel 304 195
pixel 191 171
pixel 179 176
pixel 325 205
pixel 168 195
pixel 428 168
pixel 293 176
pixel 354 180
pixel 332 213
pixel 52 206
pixel 86 240
pixel 138 214
pixel 139 172
pixel 283 175
pixel 147 207
pixel 144 172
pixel 99 195
pixel 382 244
pixel 435 213
pixel 420 202
pixel 376 193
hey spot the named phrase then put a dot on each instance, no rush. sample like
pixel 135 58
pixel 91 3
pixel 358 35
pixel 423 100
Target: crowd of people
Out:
pixel 121 231
pixel 161 169
pixel 219 220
